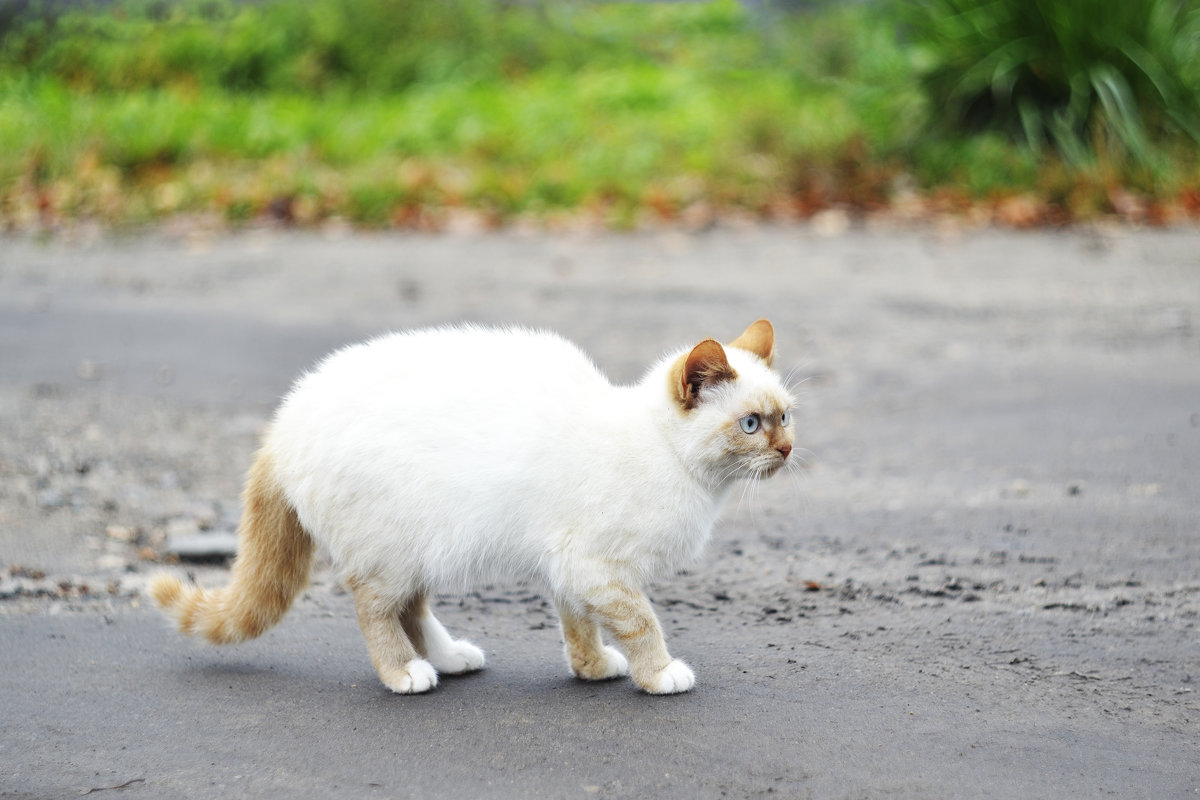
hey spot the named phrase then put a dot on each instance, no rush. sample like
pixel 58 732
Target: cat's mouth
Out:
pixel 761 472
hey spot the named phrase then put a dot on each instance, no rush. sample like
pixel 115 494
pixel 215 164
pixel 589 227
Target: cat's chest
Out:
pixel 656 518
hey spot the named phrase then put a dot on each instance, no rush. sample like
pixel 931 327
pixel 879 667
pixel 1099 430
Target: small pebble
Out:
pixel 121 533
pixel 51 498
pixel 215 544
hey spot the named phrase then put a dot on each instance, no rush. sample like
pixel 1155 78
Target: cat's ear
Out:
pixel 705 365
pixel 758 339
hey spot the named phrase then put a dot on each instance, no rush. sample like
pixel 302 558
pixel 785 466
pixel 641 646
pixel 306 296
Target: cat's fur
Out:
pixel 429 460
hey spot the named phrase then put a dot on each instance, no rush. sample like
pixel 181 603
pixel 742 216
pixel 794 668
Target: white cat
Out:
pixel 429 460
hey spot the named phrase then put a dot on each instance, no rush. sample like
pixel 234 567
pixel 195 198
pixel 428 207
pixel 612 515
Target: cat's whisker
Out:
pixel 793 383
pixel 741 496
pixel 741 466
pixel 795 473
pixel 749 487
pixel 728 473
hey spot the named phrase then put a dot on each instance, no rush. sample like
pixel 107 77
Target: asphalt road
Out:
pixel 986 583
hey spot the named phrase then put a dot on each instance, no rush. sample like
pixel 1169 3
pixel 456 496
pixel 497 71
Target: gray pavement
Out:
pixel 986 583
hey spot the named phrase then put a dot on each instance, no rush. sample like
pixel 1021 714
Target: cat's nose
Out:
pixel 784 450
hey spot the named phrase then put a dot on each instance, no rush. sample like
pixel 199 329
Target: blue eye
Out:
pixel 749 423
pixel 785 419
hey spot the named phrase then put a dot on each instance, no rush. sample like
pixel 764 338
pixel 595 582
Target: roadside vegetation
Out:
pixel 409 113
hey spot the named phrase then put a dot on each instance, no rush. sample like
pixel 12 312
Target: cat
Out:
pixel 425 461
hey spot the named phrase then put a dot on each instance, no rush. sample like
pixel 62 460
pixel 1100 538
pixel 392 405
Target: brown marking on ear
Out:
pixel 705 365
pixel 758 339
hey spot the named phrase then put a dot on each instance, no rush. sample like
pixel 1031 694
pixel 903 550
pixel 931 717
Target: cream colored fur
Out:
pixel 429 461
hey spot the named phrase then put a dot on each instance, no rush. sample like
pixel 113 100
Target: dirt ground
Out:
pixel 986 582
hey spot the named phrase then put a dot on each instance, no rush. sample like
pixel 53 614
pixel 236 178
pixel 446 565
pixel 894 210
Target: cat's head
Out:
pixel 732 411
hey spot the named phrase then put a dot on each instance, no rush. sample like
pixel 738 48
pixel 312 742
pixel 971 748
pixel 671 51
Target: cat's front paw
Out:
pixel 607 664
pixel 458 657
pixel 415 677
pixel 674 678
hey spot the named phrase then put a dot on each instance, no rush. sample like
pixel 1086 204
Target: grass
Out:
pixel 1089 78
pixel 393 112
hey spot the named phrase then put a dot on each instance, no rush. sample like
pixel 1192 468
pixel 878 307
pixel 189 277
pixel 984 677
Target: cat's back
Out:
pixel 455 375
pixel 437 427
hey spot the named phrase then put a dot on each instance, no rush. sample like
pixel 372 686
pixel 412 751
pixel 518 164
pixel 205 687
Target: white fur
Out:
pixel 432 460
pixel 417 677
pixel 615 664
pixel 447 655
pixel 674 678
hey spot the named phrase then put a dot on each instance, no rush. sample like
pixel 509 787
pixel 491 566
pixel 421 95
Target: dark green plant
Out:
pixel 1086 77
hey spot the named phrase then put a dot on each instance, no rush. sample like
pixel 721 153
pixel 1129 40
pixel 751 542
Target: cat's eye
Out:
pixel 785 419
pixel 750 423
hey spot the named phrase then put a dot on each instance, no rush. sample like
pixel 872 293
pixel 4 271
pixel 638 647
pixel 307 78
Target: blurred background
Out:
pixel 429 115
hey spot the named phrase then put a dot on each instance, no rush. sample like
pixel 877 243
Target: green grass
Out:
pixel 1088 78
pixel 384 112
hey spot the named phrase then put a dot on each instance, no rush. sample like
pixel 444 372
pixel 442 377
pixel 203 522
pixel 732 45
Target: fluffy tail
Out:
pixel 275 555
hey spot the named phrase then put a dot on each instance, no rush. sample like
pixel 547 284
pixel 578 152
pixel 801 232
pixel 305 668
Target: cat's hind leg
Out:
pixel 587 655
pixel 448 655
pixel 396 657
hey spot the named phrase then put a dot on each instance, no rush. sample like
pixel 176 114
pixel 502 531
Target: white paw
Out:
pixel 416 677
pixel 458 657
pixel 607 664
pixel 615 664
pixel 673 678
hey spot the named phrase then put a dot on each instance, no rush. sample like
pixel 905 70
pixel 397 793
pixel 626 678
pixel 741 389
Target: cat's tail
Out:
pixel 275 555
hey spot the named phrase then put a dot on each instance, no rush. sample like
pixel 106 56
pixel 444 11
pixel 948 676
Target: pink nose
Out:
pixel 784 450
